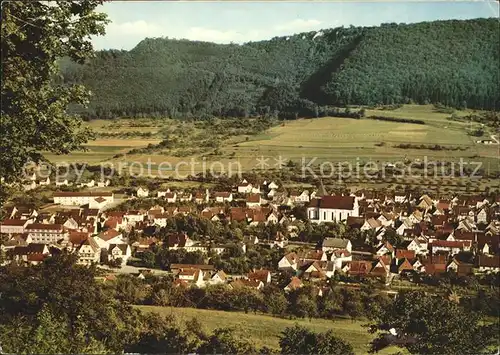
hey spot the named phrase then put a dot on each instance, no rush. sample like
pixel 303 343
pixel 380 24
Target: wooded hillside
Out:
pixel 453 62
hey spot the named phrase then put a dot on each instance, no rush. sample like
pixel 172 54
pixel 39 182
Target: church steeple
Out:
pixel 321 191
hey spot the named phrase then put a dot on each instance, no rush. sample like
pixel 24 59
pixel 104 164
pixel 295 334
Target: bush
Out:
pixel 115 263
pixel 477 132
pixel 396 119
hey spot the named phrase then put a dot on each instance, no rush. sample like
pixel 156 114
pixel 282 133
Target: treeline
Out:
pixel 363 299
pixel 429 146
pixel 305 302
pixel 489 118
pixel 397 119
pixel 192 136
pixel 233 260
pixel 203 229
pixel 58 307
pixel 132 134
pixel 453 63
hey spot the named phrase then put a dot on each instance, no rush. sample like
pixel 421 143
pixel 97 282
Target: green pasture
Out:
pixel 263 330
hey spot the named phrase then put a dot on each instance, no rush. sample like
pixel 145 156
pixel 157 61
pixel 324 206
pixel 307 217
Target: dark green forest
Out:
pixel 454 63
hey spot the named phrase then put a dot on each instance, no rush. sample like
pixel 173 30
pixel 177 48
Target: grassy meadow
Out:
pixel 264 330
pixel 331 139
pixel 341 139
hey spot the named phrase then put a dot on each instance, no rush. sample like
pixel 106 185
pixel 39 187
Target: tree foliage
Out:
pixel 62 293
pixel 300 340
pixel 223 341
pixel 434 325
pixel 35 34
pixel 448 62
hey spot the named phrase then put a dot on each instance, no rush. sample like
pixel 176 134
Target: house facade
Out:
pixel 14 226
pixel 88 252
pixel 142 192
pixel 46 233
pixel 332 209
pixel 120 251
pixel 223 197
pixel 80 198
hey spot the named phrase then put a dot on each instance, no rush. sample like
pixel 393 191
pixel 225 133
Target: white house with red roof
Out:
pixel 254 200
pixel 295 283
pixel 339 257
pixel 193 275
pixel 384 249
pixel 289 262
pixel 135 216
pixel 88 252
pixel 488 263
pixel 261 275
pixel 218 278
pixel 103 183
pixel 142 192
pixel 419 246
pixel 120 251
pixel 68 198
pixel 46 233
pixel 332 244
pixel 32 253
pixel 223 196
pixel 299 197
pixel 14 226
pixel 99 203
pixel 108 237
pixel 452 247
pixel 245 187
pixel 332 208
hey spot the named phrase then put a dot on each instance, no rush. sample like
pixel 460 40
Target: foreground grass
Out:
pixel 264 330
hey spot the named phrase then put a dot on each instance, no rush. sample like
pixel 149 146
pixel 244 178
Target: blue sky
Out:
pixel 239 22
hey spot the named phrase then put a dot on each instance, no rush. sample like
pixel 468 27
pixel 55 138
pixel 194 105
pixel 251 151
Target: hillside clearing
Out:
pixel 264 330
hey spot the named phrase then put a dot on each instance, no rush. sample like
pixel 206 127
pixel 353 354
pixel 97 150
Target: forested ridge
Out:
pixel 454 63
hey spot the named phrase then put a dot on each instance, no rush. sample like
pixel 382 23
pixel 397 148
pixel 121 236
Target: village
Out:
pixel 382 236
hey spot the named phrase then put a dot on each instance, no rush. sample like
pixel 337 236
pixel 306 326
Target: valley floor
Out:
pixel 332 139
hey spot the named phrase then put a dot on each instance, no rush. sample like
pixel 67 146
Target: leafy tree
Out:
pixel 305 306
pixel 353 305
pixel 300 212
pixel 148 259
pixel 330 304
pixel 300 340
pixel 328 343
pixel 60 291
pixel 48 334
pixel 115 263
pixel 274 300
pixel 297 340
pixel 159 335
pixel 161 298
pixel 35 35
pixel 434 325
pixel 247 299
pixel 393 238
pixel 224 341
pixel 130 289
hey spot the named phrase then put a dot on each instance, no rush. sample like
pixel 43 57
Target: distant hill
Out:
pixel 453 62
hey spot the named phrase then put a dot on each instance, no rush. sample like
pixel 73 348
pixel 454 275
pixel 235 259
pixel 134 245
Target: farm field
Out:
pixel 345 139
pixel 264 330
pixel 330 139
